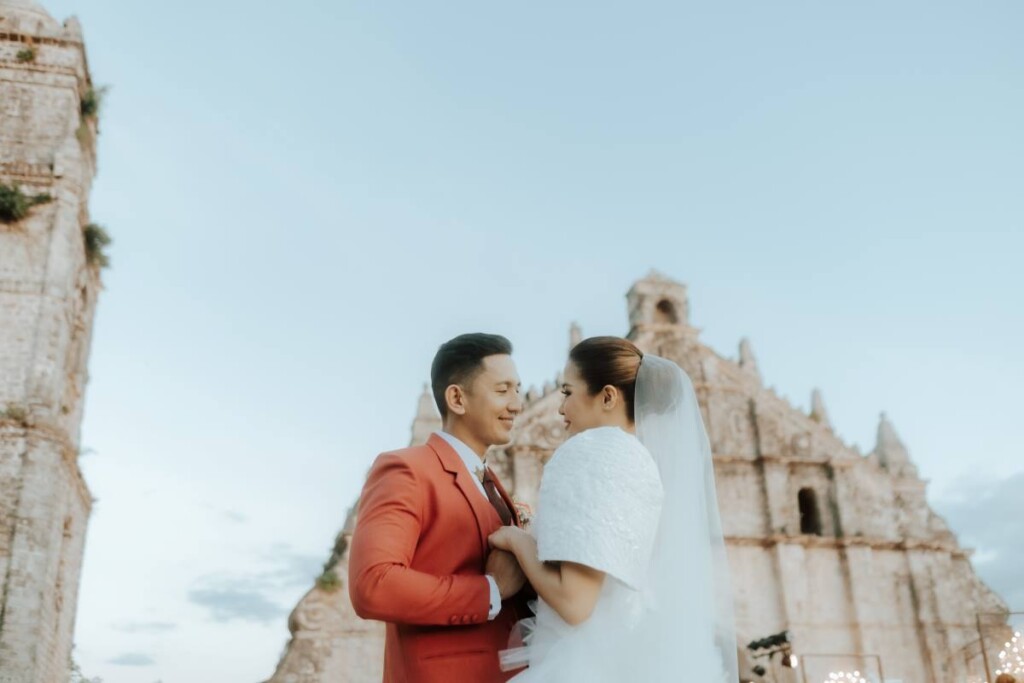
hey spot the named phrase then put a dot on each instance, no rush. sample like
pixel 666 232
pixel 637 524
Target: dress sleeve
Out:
pixel 599 503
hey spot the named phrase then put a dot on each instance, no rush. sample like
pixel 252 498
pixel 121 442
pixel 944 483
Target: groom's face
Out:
pixel 492 400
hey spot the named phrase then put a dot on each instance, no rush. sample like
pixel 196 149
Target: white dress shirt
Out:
pixel 475 465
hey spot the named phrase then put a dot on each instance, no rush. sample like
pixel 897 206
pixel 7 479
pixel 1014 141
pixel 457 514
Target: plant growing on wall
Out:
pixel 15 204
pixel 27 55
pixel 91 102
pixel 96 240
pixel 89 106
pixel 15 413
pixel 329 581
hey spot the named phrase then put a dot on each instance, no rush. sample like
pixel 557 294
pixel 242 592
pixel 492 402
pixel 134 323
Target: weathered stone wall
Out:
pixel 41 554
pixel 48 293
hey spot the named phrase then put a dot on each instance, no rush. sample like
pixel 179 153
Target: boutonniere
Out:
pixel 523 512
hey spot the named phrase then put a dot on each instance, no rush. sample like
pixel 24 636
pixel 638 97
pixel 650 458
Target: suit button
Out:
pixel 465 619
pixel 476 618
pixel 453 620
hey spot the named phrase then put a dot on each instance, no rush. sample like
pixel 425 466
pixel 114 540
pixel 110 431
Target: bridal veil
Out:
pixel 687 633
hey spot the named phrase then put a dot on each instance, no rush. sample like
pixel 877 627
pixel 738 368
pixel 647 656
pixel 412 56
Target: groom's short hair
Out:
pixel 460 359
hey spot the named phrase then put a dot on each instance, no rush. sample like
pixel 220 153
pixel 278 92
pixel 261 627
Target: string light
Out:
pixel 845 677
pixel 1011 657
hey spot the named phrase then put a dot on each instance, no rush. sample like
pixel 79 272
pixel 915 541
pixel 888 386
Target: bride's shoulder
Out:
pixel 605 438
pixel 601 447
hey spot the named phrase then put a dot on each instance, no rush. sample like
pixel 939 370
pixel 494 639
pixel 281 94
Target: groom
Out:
pixel 419 558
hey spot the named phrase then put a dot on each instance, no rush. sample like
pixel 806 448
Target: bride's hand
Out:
pixel 508 538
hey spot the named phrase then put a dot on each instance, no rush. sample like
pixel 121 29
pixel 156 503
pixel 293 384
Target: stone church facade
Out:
pixel 49 283
pixel 837 547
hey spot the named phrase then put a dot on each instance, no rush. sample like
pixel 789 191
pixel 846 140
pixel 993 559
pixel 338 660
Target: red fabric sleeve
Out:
pixel 382 586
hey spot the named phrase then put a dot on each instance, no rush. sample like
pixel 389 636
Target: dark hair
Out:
pixel 604 361
pixel 460 359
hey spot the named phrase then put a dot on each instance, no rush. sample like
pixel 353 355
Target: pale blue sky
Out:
pixel 307 198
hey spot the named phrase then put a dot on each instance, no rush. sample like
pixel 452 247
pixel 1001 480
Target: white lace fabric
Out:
pixel 599 503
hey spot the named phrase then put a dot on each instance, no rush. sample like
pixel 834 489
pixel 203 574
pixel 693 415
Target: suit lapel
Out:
pixel 452 463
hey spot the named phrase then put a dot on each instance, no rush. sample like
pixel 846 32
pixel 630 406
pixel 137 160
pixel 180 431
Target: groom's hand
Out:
pixel 507 573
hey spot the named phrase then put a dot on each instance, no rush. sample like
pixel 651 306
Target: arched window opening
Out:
pixel 810 517
pixel 665 312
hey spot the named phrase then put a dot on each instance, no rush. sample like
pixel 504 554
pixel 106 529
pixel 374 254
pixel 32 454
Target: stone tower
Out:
pixel 50 260
pixel 837 547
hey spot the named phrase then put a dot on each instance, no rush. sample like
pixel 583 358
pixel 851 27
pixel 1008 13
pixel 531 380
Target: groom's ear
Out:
pixel 455 399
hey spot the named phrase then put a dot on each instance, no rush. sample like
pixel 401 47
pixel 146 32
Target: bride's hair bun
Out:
pixel 609 361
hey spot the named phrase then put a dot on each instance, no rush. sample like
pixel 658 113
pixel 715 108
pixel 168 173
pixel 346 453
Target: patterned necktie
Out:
pixel 496 500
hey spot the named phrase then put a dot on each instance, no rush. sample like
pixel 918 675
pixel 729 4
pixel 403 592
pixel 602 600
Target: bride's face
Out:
pixel 581 410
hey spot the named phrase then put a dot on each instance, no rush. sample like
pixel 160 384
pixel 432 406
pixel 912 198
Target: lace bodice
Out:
pixel 599 504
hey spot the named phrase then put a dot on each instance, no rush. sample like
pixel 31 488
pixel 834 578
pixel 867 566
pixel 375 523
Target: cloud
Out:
pixel 133 659
pixel 227 603
pixel 989 517
pixel 236 517
pixel 232 515
pixel 257 596
pixel 145 627
pixel 293 569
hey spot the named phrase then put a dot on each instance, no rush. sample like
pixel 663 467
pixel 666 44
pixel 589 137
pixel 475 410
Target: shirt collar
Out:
pixel 472 460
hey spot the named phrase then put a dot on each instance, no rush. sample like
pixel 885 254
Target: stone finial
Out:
pixel 818 412
pixel 748 361
pixel 575 335
pixel 73 28
pixel 889 448
pixel 426 407
pixel 656 275
pixel 427 419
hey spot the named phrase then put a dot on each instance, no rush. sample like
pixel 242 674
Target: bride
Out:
pixel 627 555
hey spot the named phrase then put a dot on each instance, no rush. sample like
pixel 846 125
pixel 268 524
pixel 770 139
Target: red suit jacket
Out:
pixel 417 562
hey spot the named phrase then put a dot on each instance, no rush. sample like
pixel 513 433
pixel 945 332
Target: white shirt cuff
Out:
pixel 495 598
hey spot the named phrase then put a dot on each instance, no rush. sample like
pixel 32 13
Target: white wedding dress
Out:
pixel 599 503
pixel 647 520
